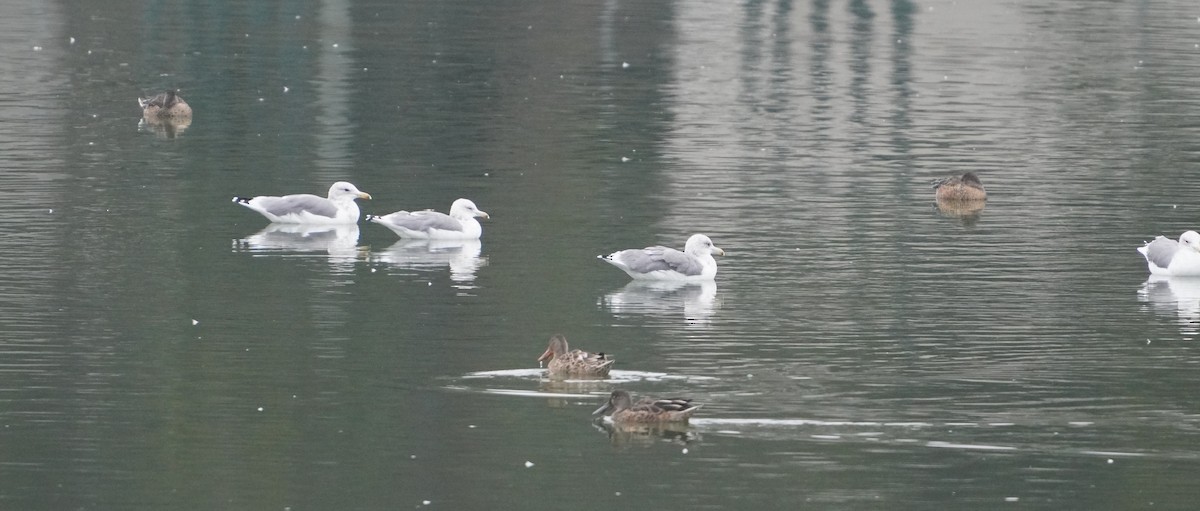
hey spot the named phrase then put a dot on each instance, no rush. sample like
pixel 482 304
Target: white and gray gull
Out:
pixel 694 263
pixel 460 224
pixel 1172 258
pixel 338 208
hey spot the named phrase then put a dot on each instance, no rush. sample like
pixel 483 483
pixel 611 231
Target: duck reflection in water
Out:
pixel 696 300
pixel 646 435
pixel 462 256
pixel 165 128
pixel 1177 297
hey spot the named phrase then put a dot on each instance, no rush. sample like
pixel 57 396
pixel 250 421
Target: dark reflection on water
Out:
pixel 861 346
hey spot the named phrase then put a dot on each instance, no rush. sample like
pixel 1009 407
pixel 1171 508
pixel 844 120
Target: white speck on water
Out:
pixel 1011 499
pixel 194 322
pixel 486 174
pixel 617 493
pixel 51 210
pixel 95 116
pixel 1174 206
pixel 260 100
pixel 91 143
pixel 471 426
pixel 529 27
pixel 1110 461
pixel 624 65
pixel 89 52
pixel 425 502
pixel 247 35
pixel 364 69
pixel 305 47
pixel 684 450
pixel 945 77
pixel 37 48
pixel 260 408
pixel 373 270
pixel 429 284
pixel 297 16
pixel 285 89
pixel 412 456
pixel 624 159
pixel 749 375
pixel 335 45
pixel 71 40
pixel 528 464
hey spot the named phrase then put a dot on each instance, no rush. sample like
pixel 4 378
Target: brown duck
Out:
pixel 646 410
pixel 960 188
pixel 567 362
pixel 167 105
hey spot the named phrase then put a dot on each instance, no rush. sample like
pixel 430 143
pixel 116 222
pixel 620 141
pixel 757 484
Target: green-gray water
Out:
pixel 860 349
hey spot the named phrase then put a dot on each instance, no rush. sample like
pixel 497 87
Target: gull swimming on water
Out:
pixel 303 208
pixel 460 224
pixel 694 263
pixel 1165 256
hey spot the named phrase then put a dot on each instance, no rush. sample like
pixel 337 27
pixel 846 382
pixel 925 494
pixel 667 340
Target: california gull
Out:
pixel 429 224
pixel 1168 257
pixel 695 263
pixel 338 208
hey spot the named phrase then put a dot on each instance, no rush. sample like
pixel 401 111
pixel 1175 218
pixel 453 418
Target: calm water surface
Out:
pixel 860 348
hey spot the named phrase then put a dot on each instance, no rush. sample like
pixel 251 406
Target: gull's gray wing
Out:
pixel 652 259
pixel 297 204
pixel 1161 251
pixel 682 262
pixel 425 221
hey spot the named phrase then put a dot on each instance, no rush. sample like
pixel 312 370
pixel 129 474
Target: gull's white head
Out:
pixel 1190 239
pixel 342 190
pixel 464 208
pixel 699 244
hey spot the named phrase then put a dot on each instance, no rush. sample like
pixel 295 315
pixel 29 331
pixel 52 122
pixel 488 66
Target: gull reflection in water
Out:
pixel 696 300
pixel 339 241
pixel 462 256
pixel 1177 297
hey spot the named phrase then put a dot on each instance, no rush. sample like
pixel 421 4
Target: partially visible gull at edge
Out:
pixel 337 208
pixel 694 263
pixel 460 224
pixel 1167 257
